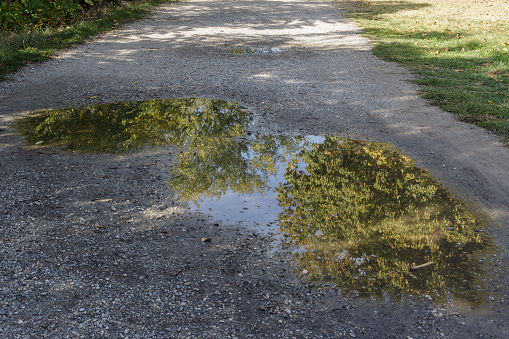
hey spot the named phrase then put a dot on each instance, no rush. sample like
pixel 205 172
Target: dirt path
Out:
pixel 306 71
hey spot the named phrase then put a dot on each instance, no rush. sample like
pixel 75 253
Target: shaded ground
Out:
pixel 76 264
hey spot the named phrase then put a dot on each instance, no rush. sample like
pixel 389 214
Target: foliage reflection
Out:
pixel 364 215
pixel 129 125
pixel 210 166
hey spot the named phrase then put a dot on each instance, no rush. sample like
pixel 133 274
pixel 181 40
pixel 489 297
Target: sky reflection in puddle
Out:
pixel 356 213
pixel 250 198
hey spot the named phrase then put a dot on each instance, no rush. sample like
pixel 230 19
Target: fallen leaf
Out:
pixel 102 200
pixel 206 239
pixel 94 97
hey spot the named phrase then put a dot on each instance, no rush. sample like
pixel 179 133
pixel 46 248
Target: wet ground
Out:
pixel 99 244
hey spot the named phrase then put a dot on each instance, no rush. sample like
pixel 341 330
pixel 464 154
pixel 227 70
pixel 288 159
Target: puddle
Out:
pixel 354 213
pixel 126 126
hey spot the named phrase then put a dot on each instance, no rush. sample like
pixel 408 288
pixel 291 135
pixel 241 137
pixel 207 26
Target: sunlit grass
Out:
pixel 458 48
pixel 30 46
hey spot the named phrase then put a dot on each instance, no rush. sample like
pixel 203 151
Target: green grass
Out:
pixel 458 48
pixel 18 49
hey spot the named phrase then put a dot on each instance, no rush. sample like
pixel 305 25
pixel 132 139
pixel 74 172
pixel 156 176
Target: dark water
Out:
pixel 356 213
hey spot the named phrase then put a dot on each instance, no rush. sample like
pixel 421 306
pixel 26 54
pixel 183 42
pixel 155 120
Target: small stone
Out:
pixel 3 312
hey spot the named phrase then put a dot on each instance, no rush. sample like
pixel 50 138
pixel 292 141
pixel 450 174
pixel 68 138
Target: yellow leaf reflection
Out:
pixel 362 215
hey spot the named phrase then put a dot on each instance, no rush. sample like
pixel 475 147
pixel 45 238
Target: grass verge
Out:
pixel 458 48
pixel 36 45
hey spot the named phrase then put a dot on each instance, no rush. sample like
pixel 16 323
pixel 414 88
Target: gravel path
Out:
pixel 75 264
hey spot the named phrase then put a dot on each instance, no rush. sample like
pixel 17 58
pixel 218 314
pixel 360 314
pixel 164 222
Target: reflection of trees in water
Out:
pixel 364 215
pixel 128 125
pixel 211 166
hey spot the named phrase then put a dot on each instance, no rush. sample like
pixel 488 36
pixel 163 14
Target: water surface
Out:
pixel 356 213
